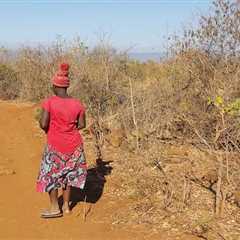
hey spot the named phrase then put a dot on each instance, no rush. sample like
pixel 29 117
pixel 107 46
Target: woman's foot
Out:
pixel 51 213
pixel 66 208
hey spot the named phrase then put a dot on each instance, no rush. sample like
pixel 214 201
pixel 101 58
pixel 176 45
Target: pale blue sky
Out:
pixel 142 24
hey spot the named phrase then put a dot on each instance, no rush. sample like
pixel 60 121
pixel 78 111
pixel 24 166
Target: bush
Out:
pixel 9 84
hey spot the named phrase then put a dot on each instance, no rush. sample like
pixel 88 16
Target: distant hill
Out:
pixel 146 56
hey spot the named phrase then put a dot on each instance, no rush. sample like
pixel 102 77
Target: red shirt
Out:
pixel 63 134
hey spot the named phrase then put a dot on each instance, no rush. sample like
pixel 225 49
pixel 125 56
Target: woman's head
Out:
pixel 61 79
pixel 58 91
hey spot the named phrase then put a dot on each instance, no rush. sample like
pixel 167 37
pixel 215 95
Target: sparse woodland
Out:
pixel 175 124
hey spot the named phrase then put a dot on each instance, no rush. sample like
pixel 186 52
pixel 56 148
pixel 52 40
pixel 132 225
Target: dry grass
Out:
pixel 145 109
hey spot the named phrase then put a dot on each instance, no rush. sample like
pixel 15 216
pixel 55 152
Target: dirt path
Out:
pixel 20 150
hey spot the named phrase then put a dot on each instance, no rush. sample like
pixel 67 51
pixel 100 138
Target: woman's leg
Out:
pixel 66 199
pixel 54 208
pixel 53 195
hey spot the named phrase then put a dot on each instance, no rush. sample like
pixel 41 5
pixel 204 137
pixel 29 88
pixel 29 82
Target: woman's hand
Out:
pixel 44 120
pixel 81 123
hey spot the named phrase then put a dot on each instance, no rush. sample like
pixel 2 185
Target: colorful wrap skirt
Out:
pixel 59 170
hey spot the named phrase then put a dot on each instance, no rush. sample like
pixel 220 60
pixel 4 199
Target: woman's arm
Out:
pixel 81 122
pixel 44 120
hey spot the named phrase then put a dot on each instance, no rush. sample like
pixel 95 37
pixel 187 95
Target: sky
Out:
pixel 137 25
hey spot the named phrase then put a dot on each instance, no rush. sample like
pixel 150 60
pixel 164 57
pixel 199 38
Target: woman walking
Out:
pixel 63 164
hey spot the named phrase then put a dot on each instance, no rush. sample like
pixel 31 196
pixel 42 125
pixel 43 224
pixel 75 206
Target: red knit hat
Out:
pixel 61 79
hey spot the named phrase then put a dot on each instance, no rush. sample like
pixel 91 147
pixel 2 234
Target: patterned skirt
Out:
pixel 59 170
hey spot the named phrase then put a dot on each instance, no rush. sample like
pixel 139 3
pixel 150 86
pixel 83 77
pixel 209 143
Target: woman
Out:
pixel 63 164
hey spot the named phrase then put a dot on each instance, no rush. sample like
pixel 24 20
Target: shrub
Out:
pixel 9 84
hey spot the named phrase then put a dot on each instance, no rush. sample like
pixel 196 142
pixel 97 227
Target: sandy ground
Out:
pixel 21 144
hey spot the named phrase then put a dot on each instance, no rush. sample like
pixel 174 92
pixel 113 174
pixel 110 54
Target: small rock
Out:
pixel 165 225
pixel 6 171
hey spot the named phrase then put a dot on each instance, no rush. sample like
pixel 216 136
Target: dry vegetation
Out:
pixel 175 123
